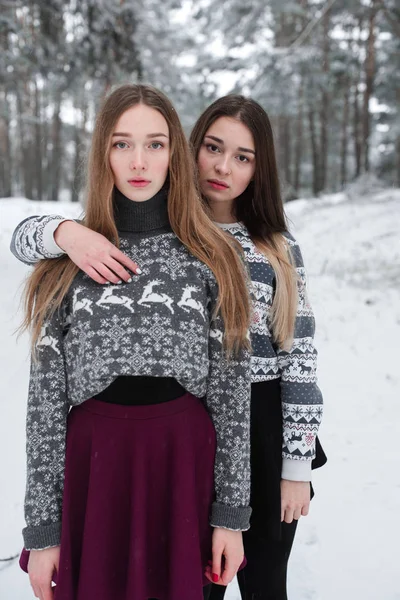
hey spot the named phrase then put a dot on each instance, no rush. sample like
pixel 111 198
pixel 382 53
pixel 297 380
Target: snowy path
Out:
pixel 346 548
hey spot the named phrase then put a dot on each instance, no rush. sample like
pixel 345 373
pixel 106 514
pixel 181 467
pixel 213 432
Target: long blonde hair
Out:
pixel 260 207
pixel 51 278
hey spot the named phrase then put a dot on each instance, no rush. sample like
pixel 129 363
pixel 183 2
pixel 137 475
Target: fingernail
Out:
pixel 119 282
pixel 138 271
pixel 215 577
pixel 129 280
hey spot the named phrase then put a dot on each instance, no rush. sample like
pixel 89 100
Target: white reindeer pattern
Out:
pixel 187 302
pixel 47 340
pixel 107 297
pixel 150 296
pixel 216 334
pixel 84 304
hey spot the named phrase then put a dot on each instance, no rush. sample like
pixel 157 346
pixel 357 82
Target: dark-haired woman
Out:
pixel 233 144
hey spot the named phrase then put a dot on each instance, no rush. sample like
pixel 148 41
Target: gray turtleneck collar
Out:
pixel 141 216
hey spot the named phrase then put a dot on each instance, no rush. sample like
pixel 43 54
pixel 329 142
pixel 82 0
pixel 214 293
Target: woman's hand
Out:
pixel 41 566
pixel 94 254
pixel 227 556
pixel 295 499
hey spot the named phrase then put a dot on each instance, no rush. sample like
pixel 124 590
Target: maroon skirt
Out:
pixel 139 484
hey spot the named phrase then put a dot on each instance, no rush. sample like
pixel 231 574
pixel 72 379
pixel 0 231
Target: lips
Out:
pixel 138 182
pixel 217 184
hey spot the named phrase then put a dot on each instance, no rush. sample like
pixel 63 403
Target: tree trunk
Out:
pixel 314 151
pixel 344 134
pixel 38 147
pixel 55 168
pixel 284 146
pixel 5 149
pixel 299 139
pixel 369 83
pixel 25 146
pixel 325 102
pixel 79 152
pixel 356 131
pixel 287 149
pixel 46 178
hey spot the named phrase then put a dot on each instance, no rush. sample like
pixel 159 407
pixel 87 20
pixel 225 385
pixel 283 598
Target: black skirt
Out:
pixel 266 459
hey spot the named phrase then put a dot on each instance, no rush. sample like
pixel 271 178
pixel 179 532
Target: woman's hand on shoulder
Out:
pixel 227 555
pixel 94 254
pixel 295 499
pixel 41 566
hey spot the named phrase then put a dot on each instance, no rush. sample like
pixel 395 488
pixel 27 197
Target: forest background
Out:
pixel 326 72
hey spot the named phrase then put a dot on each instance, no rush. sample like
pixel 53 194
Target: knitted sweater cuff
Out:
pixel 230 517
pixel 41 537
pixel 52 248
pixel 296 470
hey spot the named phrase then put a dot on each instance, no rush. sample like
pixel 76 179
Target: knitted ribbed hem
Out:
pixel 296 470
pixel 43 536
pixel 49 243
pixel 236 518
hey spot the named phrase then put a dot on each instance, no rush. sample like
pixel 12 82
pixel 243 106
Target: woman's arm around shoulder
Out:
pixel 33 239
pixel 52 236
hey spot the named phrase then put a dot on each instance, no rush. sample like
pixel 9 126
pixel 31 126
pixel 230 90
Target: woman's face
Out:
pixel 140 150
pixel 226 160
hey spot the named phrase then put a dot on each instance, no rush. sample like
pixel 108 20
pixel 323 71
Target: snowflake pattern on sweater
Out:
pixel 301 397
pixel 160 324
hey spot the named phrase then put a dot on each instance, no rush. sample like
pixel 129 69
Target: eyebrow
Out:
pixel 216 139
pixel 149 135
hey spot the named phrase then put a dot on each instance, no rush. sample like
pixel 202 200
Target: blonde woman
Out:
pixel 139 396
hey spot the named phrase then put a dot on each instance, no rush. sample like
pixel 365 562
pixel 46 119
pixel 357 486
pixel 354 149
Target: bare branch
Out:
pixel 306 32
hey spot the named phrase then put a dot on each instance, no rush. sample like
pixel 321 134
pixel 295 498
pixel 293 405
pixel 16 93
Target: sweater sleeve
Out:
pixel 45 439
pixel 301 397
pixel 33 239
pixel 228 402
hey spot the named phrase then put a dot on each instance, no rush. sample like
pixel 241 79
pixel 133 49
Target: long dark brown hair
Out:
pixel 260 207
pixel 51 279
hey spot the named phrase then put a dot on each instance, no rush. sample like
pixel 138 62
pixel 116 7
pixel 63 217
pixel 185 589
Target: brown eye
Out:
pixel 212 148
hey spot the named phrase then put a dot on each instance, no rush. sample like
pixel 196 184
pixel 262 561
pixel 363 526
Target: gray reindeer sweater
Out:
pixel 162 324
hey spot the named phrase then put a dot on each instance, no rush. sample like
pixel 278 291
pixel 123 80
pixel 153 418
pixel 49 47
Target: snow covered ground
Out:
pixel 346 547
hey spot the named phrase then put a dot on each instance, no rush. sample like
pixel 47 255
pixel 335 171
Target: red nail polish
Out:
pixel 215 577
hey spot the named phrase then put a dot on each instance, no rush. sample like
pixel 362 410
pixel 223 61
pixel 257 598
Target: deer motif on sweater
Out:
pixel 108 297
pixel 149 295
pixel 187 302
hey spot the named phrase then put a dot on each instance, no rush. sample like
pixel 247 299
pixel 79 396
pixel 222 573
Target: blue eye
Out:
pixel 158 144
pixel 119 145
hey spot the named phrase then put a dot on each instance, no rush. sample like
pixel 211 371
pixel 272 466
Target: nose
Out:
pixel 137 160
pixel 222 166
